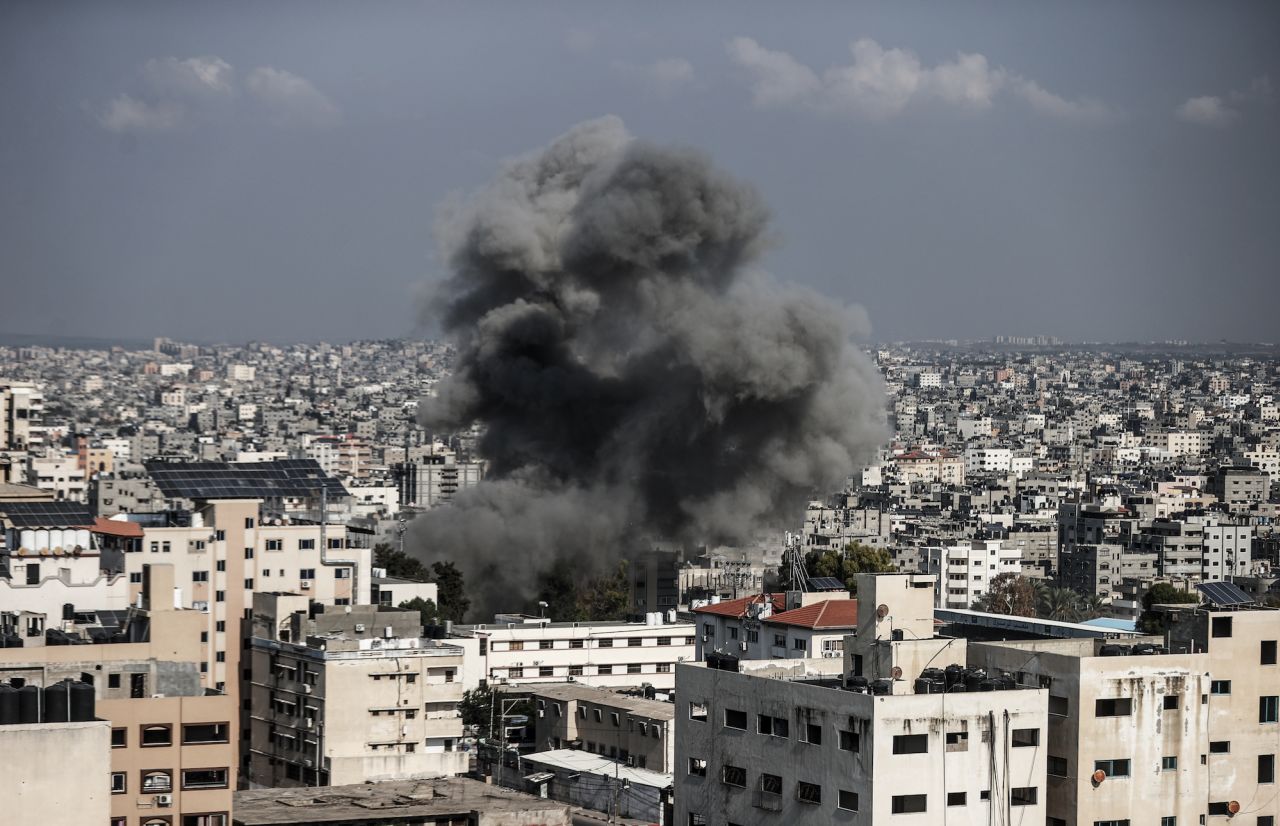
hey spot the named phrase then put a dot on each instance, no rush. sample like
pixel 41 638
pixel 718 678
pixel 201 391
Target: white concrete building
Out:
pixel 964 572
pixel 535 650
pixel 763 627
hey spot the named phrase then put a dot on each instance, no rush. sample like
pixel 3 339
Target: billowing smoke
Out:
pixel 636 379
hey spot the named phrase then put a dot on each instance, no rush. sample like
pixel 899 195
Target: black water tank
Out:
pixel 933 674
pixel 986 685
pixel 82 702
pixel 57 702
pixel 882 687
pixel 68 611
pixel 29 704
pixel 858 684
pixel 954 674
pixel 1109 651
pixel 8 704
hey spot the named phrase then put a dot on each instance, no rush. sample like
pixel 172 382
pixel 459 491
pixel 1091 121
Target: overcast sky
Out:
pixel 233 171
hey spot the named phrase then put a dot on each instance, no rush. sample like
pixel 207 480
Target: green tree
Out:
pixel 574 597
pixel 1162 593
pixel 475 709
pixel 1008 594
pixel 451 596
pixel 399 564
pixel 1093 606
pixel 1060 604
pixel 427 611
pixel 845 565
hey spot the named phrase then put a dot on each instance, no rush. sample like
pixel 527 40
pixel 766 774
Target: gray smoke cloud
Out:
pixel 636 377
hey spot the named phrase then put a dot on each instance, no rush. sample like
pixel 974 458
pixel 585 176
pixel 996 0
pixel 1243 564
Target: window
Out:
pixel 1169 763
pixel 1058 705
pixel 575 671
pixel 220 626
pixel 957 798
pixel 119 782
pixel 1056 766
pixel 1219 746
pixel 613 718
pixel 575 643
pixel 219 596
pixel 811 733
pixel 306 544
pixel 1023 796
pixel 135 577
pixel 164 547
pixel 248 522
pixel 248 584
pixel 664 640
pixel 275 545
pixel 204 778
pixel 1169 820
pixel 217 819
pixel 1221 627
pixel 1120 707
pixel 604 643
pixel 734 776
pixel 697 767
pixel 1220 808
pixel 1268 656
pixel 907 803
pixel 1171 702
pixel 1266 820
pixel 156 736
pixel 1266 768
pixel 848 741
pixel 770 784
pixel 248 553
pixel 515 672
pixel 1113 768
pixel 957 741
pixel 156 780
pixel 1023 737
pixel 911 744
pixel 1268 708
pixel 307 573
pixel 735 719
pixel 194 734
pixel 544 645
pixel 663 668
pixel 772 726
pixel 604 669
pixel 119 738
pixel 221 565
pixel 546 671
pixel 634 642
pixel 810 793
pixel 633 668
pixel 697 712
pixel 848 801
pixel 1220 687
pixel 515 645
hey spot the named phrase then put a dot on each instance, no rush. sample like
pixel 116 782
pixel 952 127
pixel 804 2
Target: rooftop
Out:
pixel 585 761
pixel 281 478
pixel 378 803
pixel 640 706
pixel 738 607
pixel 830 613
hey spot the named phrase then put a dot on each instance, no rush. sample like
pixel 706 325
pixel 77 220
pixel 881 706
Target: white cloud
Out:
pixel 1219 112
pixel 1208 110
pixel 293 100
pixel 194 76
pixel 880 83
pixel 663 77
pixel 127 114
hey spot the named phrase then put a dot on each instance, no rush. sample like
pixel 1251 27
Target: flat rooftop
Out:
pixel 379 803
pixel 641 706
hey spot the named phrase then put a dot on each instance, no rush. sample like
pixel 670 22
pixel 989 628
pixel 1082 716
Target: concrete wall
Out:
pixel 55 774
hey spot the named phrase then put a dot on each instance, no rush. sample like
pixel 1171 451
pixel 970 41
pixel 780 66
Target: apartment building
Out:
pixel 435 478
pixel 795 625
pixel 349 694
pixel 172 755
pixel 759 744
pixel 964 572
pixel 21 415
pixel 529 650
pixel 635 731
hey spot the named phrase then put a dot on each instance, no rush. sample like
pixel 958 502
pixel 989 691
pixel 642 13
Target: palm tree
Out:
pixel 1094 605
pixel 1061 604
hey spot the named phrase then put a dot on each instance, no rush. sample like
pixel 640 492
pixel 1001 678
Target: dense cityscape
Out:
pixel 205 549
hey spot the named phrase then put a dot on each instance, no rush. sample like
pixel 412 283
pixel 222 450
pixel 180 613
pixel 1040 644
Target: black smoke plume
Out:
pixel 636 380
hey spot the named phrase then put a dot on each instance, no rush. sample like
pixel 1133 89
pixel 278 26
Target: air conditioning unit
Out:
pixel 164 800
pixel 306 585
pixel 306 689
pixel 359 627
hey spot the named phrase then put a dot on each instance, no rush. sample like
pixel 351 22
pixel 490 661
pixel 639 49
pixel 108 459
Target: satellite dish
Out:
pixel 1099 776
pixel 882 611
pixel 896 673
pixel 1234 807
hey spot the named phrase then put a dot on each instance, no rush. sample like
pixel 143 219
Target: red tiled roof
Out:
pixel 116 527
pixel 830 613
pixel 738 607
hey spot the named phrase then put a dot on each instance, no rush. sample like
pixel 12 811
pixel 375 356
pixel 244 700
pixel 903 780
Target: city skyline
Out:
pixel 180 174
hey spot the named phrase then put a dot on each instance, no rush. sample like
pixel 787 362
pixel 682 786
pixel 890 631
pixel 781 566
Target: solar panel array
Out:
pixel 826 583
pixel 1224 593
pixel 243 480
pixel 46 514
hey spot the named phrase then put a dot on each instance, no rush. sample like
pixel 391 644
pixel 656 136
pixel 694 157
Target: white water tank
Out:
pixel 715 600
pixel 84 539
pixel 42 540
pixel 671 617
pixel 28 540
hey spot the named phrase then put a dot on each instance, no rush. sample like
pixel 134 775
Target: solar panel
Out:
pixel 47 514
pixel 243 480
pixel 826 583
pixel 1224 593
